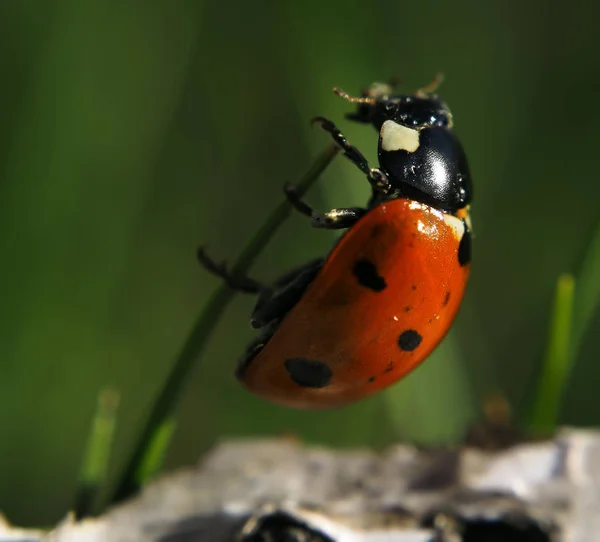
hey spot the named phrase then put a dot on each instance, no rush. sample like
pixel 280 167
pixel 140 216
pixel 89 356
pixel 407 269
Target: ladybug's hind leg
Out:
pixel 336 219
pixel 279 299
pixel 239 283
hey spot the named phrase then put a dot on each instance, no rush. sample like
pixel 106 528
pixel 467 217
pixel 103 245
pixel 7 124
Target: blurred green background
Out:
pixel 130 132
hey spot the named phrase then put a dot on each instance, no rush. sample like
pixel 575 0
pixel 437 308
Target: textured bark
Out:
pixel 270 490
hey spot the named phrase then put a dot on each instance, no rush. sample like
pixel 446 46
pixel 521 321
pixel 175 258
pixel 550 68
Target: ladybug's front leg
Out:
pixel 336 219
pixel 376 177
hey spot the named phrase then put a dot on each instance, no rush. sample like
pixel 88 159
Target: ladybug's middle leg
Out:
pixel 284 294
pixel 376 177
pixel 336 219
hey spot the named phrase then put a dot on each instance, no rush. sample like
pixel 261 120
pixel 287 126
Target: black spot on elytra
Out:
pixel 409 340
pixel 308 373
pixel 446 299
pixel 464 247
pixel 408 308
pixel 372 379
pixel 413 287
pixel 366 273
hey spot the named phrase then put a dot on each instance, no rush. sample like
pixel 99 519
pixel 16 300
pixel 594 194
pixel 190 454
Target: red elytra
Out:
pixel 344 341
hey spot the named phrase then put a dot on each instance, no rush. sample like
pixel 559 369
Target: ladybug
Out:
pixel 341 328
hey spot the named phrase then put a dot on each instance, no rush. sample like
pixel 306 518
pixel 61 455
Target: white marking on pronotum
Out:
pixel 456 224
pixel 395 137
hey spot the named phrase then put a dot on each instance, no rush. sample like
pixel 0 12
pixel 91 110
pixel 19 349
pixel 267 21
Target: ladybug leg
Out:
pixel 296 202
pixel 350 151
pixel 285 293
pixel 238 283
pixel 336 219
pixel 291 275
pixel 376 177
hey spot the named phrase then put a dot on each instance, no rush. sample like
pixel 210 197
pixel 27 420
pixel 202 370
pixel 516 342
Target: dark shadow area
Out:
pixel 280 527
pixel 502 531
pixel 218 527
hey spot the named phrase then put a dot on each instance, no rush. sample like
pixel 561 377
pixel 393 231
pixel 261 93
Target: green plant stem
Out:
pixel 165 405
pixel 156 452
pixel 93 473
pixel 587 296
pixel 558 360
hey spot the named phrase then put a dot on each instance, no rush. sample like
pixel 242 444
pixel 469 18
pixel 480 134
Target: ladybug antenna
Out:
pixel 431 87
pixel 354 99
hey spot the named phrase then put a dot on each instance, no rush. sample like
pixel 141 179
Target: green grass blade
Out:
pixel 157 449
pixel 558 359
pixel 93 473
pixel 166 403
pixel 587 296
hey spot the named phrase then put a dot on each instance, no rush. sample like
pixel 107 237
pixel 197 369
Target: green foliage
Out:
pixel 587 296
pixel 155 452
pixel 574 308
pixel 558 359
pixel 94 469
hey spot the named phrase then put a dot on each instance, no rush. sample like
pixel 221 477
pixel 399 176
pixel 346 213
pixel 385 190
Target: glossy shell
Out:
pixel 434 171
pixel 384 299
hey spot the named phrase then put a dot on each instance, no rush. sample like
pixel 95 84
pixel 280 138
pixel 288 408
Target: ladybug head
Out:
pixel 377 104
pixel 420 154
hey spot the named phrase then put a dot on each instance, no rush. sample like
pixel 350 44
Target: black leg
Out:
pixel 336 219
pixel 274 301
pixel 290 276
pixel 285 293
pixel 376 177
pixel 297 203
pixel 350 151
pixel 237 283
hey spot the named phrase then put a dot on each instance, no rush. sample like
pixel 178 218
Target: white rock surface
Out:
pixel 403 494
